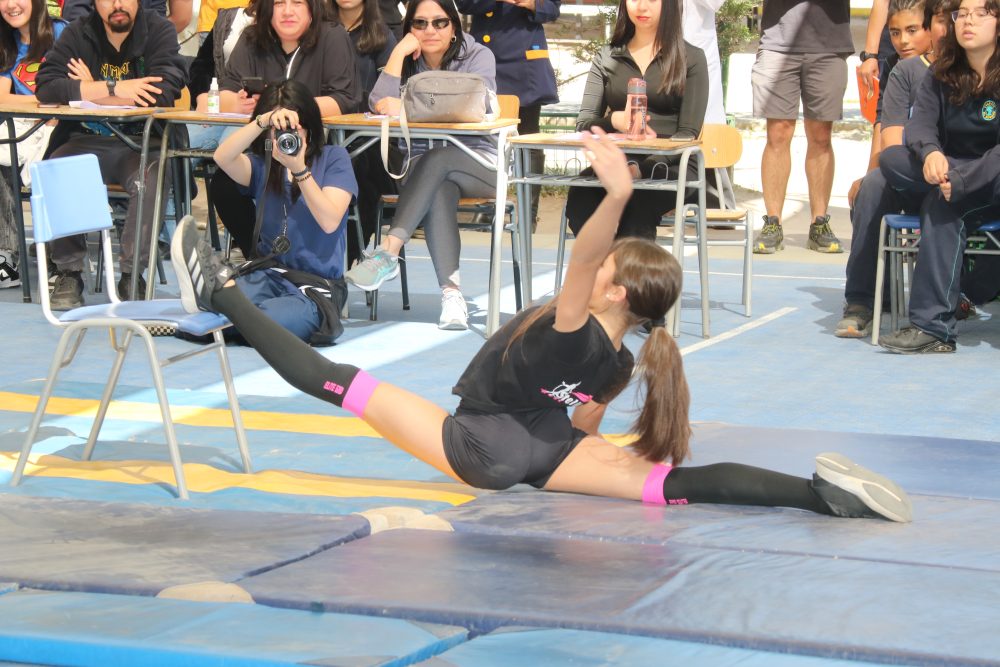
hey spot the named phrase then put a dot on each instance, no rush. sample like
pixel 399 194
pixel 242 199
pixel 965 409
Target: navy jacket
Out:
pixel 516 37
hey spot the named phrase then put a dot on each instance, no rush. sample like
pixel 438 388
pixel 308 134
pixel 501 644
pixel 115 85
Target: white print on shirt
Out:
pixel 564 394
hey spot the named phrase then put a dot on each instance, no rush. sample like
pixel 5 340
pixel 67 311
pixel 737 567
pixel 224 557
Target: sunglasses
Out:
pixel 421 24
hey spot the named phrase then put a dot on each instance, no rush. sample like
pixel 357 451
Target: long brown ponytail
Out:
pixel 652 281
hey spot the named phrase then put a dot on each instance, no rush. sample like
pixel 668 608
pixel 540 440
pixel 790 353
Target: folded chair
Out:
pixel 55 215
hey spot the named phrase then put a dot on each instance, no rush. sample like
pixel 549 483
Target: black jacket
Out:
pixel 149 50
pixel 970 131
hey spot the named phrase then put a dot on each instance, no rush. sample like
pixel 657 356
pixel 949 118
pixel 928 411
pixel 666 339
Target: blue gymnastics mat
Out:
pixel 580 648
pixel 140 549
pixel 848 608
pixel 88 629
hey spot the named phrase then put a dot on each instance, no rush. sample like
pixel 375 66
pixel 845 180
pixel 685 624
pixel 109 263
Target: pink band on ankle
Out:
pixel 358 394
pixel 652 489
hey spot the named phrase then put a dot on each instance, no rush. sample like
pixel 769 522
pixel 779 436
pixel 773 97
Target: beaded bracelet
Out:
pixel 299 179
pixel 257 120
pixel 296 174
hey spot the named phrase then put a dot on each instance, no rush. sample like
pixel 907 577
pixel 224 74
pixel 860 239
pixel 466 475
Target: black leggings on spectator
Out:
pixel 237 211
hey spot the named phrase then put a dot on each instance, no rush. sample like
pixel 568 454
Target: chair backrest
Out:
pixel 721 144
pixel 68 197
pixel 510 106
pixel 183 101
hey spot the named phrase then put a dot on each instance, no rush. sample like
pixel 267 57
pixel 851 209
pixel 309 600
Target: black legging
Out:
pixel 312 373
pixel 236 210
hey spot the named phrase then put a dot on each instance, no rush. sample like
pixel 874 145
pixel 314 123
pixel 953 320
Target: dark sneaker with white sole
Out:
pixel 855 323
pixel 912 340
pixel 822 238
pixel 67 291
pixel 200 272
pixel 853 491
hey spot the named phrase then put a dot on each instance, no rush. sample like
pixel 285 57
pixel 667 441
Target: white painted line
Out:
pixel 732 333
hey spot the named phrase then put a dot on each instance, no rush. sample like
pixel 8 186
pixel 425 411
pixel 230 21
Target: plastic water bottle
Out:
pixel 635 105
pixel 213 97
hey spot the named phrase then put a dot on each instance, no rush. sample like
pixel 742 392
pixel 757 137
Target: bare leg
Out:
pixel 776 163
pixel 598 468
pixel 819 165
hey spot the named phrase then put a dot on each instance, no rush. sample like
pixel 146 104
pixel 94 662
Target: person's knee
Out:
pixel 779 133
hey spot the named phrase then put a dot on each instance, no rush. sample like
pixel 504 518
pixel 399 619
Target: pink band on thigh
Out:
pixel 358 394
pixel 652 489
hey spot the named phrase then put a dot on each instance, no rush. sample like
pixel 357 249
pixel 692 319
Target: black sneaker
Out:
pixel 856 322
pixel 821 237
pixel 771 238
pixel 9 276
pixel 912 340
pixel 125 286
pixel 200 273
pixel 852 491
pixel 67 292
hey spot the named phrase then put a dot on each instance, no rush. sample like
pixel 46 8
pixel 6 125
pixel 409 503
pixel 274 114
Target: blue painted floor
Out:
pixel 772 389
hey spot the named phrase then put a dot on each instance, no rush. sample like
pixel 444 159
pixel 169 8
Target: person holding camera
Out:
pixel 303 189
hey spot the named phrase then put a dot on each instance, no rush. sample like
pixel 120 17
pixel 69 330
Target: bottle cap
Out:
pixel 215 83
pixel 636 86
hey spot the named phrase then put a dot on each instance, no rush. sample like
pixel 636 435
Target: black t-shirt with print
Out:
pixel 544 368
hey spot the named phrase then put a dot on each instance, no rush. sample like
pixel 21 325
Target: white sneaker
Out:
pixel 454 312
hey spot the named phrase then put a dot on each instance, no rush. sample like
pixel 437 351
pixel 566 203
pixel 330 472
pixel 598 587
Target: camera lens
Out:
pixel 288 142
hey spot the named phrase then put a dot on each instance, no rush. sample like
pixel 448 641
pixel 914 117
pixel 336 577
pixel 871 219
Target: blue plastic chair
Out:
pixel 899 237
pixel 68 197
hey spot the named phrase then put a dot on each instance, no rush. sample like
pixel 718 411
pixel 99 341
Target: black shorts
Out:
pixel 497 451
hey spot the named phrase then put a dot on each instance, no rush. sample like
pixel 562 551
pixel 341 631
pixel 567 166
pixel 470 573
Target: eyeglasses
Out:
pixel 978 13
pixel 421 24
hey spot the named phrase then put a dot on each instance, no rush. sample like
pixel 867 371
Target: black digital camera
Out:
pixel 289 142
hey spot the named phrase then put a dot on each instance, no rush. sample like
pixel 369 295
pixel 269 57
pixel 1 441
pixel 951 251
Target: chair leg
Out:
pixel 168 422
pixel 109 390
pixel 560 251
pixel 234 405
pixel 515 253
pixel 702 228
pixel 879 281
pixel 372 296
pixel 59 361
pixel 747 263
pixel 895 276
pixel 403 283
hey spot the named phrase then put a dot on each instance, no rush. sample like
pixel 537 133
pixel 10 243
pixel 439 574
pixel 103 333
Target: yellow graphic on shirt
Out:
pixel 115 72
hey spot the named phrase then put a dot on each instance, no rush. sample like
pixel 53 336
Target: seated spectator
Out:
pixel 952 160
pixel 875 199
pixel 437 177
pixel 298 278
pixel 646 43
pixel 209 11
pixel 119 54
pixel 373 43
pixel 289 39
pixel 26 34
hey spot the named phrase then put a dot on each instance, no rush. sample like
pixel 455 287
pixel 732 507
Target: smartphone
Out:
pixel 254 85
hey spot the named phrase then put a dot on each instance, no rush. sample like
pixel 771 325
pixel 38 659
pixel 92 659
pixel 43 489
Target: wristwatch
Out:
pixel 865 55
pixel 111 87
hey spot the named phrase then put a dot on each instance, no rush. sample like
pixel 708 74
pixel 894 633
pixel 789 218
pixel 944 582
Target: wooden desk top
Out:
pixel 33 109
pixel 566 140
pixel 360 120
pixel 185 116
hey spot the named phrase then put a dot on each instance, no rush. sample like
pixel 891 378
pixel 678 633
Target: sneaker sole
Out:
pixel 454 325
pixel 878 493
pixel 853 332
pixel 832 249
pixel 764 250
pixel 188 299
pixel 937 347
pixel 374 286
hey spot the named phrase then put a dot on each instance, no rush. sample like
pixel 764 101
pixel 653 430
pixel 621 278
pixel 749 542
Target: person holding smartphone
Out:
pixel 288 40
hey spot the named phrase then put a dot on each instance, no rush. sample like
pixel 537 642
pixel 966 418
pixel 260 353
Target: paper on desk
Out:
pixel 578 136
pixel 86 104
pixel 229 114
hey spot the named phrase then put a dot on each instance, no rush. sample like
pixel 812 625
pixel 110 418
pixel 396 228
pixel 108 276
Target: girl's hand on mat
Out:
pixel 609 163
pixel 936 168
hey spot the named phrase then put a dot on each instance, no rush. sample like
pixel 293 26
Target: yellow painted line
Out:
pixel 203 478
pixel 193 415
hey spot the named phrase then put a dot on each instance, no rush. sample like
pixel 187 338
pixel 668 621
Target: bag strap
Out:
pixel 384 141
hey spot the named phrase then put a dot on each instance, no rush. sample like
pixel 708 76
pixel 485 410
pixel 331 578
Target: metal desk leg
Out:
pixel 161 170
pixel 23 263
pixel 524 215
pixel 496 246
pixel 133 289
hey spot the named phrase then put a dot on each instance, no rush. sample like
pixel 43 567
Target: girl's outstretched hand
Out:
pixel 609 163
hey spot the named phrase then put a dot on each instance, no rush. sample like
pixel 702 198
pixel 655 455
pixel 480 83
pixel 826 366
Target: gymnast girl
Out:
pixel 513 424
